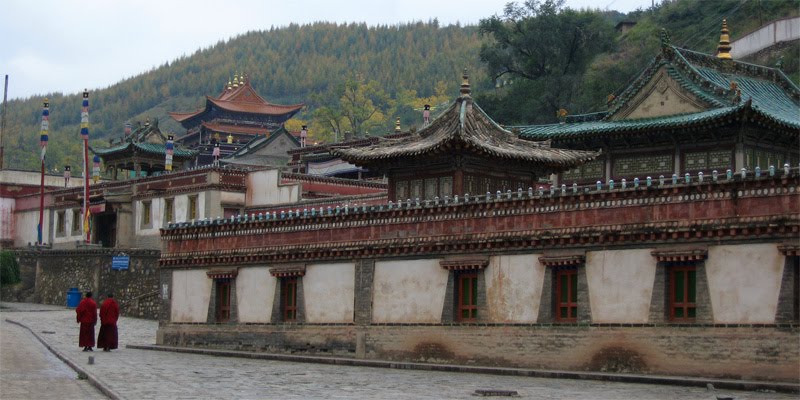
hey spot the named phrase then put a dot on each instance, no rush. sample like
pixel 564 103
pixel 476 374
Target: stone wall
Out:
pixel 760 352
pixel 24 290
pixel 47 275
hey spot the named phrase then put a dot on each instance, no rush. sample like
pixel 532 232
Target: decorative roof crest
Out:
pixel 724 48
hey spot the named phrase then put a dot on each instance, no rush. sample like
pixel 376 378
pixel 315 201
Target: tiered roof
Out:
pixel 247 154
pixel 465 126
pixel 729 91
pixel 146 139
pixel 241 98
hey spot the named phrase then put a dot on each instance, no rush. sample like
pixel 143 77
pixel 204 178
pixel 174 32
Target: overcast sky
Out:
pixel 66 45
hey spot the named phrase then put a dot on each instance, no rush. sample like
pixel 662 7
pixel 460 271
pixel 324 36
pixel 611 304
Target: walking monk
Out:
pixel 87 317
pixel 109 313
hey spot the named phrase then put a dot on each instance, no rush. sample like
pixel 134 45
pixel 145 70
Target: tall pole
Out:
pixel 43 138
pixel 85 137
pixel 3 121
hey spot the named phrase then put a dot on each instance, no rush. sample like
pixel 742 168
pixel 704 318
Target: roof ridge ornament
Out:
pixel 665 39
pixel 465 89
pixel 724 48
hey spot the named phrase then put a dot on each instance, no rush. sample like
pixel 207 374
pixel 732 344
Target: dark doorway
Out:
pixel 106 228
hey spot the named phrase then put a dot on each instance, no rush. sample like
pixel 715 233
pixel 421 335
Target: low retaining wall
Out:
pixel 47 275
pixel 749 352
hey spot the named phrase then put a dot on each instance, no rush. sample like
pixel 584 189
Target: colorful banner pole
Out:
pixel 96 169
pixel 170 148
pixel 85 137
pixel 43 138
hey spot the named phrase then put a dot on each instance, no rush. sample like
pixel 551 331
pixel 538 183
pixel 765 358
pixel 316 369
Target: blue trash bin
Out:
pixel 73 297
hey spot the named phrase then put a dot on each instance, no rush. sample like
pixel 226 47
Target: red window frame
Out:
pixel 567 295
pixel 289 294
pixel 683 293
pixel 223 300
pixel 467 306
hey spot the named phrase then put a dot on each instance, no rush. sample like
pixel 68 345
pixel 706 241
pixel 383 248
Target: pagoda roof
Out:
pixel 242 99
pixel 146 139
pixel 464 125
pixel 259 142
pixel 728 90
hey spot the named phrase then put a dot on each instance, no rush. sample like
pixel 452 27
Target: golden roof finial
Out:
pixel 229 83
pixel 465 90
pixel 236 80
pixel 397 125
pixel 724 48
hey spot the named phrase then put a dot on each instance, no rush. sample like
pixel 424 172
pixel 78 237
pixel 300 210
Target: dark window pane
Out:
pixel 692 312
pixel 679 286
pixel 679 312
pixel 691 293
pixel 573 295
pixel 573 312
pixel 474 292
pixel 563 312
pixel 564 284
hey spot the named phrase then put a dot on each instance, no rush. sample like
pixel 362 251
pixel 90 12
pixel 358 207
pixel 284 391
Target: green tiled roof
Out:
pixel 151 148
pixel 766 92
pixel 585 129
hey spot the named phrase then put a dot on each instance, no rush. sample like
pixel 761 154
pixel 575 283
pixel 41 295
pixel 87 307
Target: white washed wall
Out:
pixel 255 293
pixel 744 282
pixel 191 292
pixel 329 293
pixel 514 288
pixel 410 291
pixel 620 285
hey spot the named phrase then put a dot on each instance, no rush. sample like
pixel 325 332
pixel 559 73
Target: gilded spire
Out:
pixel 397 125
pixel 465 90
pixel 229 83
pixel 724 48
pixel 236 80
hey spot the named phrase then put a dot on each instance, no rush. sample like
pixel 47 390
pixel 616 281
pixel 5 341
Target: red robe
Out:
pixel 87 317
pixel 109 314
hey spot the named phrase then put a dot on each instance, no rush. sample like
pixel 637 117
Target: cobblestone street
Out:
pixel 145 374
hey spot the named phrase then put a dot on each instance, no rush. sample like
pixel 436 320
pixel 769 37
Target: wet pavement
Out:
pixel 145 374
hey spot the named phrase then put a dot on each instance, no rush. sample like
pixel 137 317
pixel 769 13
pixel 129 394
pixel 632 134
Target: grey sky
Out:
pixel 66 45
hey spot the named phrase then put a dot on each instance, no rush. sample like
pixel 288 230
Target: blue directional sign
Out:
pixel 120 262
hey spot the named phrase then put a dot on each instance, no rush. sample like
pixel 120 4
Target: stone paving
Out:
pixel 145 374
pixel 29 371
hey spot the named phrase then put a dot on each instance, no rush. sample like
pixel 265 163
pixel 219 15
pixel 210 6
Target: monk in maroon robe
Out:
pixel 87 317
pixel 109 314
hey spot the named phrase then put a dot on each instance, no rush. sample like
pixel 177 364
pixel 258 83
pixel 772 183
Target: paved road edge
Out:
pixel 728 384
pixel 93 380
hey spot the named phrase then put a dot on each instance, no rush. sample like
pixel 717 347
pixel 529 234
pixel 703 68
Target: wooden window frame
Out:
pixel 223 300
pixel 289 298
pixel 468 303
pixel 192 209
pixel 571 305
pixel 685 305
pixel 61 223
pixel 169 210
pixel 147 214
pixel 76 220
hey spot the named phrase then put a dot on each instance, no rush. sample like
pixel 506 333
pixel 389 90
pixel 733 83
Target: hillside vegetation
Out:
pixel 404 64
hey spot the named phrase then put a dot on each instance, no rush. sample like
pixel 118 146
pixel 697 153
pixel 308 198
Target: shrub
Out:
pixel 9 269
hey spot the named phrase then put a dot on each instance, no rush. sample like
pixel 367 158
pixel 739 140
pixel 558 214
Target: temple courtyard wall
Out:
pixel 47 275
pixel 585 280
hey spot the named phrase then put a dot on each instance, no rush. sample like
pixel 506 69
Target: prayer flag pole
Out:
pixel 43 137
pixel 85 137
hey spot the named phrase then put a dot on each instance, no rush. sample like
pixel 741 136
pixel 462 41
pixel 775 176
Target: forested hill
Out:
pixel 286 65
pixel 400 67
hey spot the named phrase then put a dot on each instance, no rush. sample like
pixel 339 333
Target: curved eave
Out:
pixel 258 109
pixel 641 127
pixel 131 147
pixel 464 126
